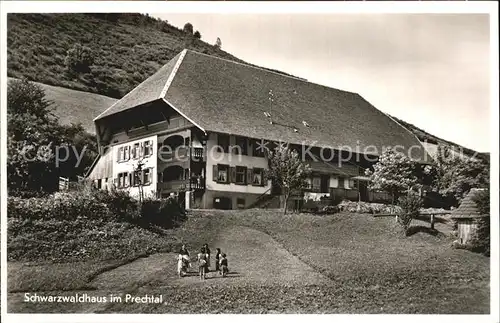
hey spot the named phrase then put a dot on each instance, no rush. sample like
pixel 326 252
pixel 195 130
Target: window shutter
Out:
pixel 214 173
pixel 118 155
pixel 249 176
pixel 232 177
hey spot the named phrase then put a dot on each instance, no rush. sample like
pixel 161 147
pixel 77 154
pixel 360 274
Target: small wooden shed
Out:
pixel 467 216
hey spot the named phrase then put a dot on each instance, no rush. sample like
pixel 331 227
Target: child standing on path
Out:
pixel 207 251
pixel 223 265
pixel 202 263
pixel 217 259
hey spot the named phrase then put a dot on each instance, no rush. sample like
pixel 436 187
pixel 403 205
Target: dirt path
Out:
pixel 254 257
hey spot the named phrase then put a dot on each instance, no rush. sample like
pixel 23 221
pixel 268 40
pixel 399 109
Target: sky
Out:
pixel 431 70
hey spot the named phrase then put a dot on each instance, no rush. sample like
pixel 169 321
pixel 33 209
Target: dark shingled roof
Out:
pixel 224 96
pixel 468 208
pixel 147 91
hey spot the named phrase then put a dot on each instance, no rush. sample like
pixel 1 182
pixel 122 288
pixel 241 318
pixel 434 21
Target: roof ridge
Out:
pixel 131 91
pixel 252 66
pixel 272 72
pixel 172 74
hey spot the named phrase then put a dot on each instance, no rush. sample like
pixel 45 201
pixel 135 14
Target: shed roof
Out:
pixel 468 208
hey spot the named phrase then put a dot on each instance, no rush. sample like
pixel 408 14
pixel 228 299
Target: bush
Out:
pixel 329 209
pixel 366 207
pixel 120 203
pixel 410 206
pixel 480 240
pixel 79 59
pixel 59 206
pixel 87 224
pixel 166 213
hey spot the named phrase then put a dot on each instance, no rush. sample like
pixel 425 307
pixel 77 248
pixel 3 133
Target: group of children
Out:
pixel 203 259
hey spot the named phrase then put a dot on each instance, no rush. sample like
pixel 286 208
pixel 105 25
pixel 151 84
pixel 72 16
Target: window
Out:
pixel 142 177
pixel 258 148
pixel 146 176
pixel 257 177
pixel 123 180
pixel 316 184
pixel 241 175
pixel 222 173
pixel 99 183
pixel 148 148
pixel 136 150
pixel 241 146
pixel 137 180
pixel 341 182
pixel 223 142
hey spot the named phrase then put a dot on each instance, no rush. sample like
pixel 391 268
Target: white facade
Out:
pixel 124 163
pixel 215 157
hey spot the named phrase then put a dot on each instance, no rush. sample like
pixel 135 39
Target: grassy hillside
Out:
pixel 127 48
pixel 72 106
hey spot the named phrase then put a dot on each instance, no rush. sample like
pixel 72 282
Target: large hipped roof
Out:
pixel 224 96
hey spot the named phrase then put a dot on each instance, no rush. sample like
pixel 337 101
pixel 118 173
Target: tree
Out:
pixel 35 140
pixel 456 176
pixel 410 205
pixel 480 240
pixel 80 142
pixel 287 170
pixel 137 171
pixel 188 28
pixel 197 34
pixel 394 173
pixel 32 134
pixel 79 59
pixel 218 43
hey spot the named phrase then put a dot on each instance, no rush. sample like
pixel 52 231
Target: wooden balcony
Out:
pixel 181 185
pixel 178 185
pixel 182 154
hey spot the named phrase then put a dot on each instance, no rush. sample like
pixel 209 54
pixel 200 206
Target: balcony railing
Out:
pixel 182 154
pixel 198 153
pixel 182 184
